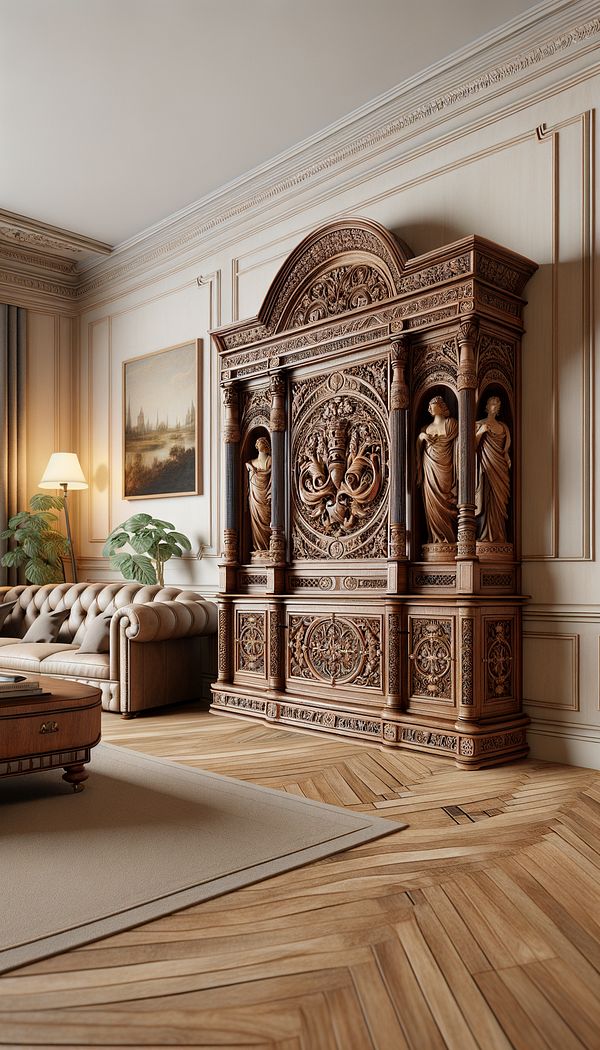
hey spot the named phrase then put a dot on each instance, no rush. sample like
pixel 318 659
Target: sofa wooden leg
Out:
pixel 128 714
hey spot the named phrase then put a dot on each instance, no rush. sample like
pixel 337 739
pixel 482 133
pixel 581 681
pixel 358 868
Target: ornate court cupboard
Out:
pixel 370 580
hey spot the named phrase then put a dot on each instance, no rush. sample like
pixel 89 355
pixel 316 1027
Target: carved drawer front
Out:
pixel 250 641
pixel 499 671
pixel 431 652
pixel 341 651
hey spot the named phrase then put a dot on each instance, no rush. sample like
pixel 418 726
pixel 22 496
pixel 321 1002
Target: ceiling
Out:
pixel 117 113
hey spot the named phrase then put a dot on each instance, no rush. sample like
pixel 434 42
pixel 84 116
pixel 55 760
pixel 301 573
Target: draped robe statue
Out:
pixel 436 472
pixel 259 495
pixel 492 442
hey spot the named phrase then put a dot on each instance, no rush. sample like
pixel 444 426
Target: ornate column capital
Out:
pixel 231 426
pixel 277 420
pixel 466 338
pixel 399 389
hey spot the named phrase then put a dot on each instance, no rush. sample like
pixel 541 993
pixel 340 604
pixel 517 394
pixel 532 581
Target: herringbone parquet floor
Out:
pixel 477 927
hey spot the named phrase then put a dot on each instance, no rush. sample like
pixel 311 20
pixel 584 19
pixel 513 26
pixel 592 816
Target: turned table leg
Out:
pixel 75 775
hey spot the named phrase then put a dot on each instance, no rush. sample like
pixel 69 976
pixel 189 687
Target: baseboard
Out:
pixel 571 746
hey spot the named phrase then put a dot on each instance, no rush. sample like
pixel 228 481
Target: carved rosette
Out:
pixel 250 642
pixel 431 658
pixel 338 650
pixel 340 448
pixel 499 658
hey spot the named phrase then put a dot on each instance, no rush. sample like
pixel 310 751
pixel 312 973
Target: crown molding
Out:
pixel 29 233
pixel 545 40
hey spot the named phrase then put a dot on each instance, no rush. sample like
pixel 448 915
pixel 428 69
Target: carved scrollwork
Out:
pixel 338 290
pixel 340 449
pixel 434 363
pixel 467 662
pixel 431 658
pixel 496 362
pixel 256 410
pixel 499 658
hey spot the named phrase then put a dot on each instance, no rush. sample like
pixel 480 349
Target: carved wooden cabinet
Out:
pixel 370 579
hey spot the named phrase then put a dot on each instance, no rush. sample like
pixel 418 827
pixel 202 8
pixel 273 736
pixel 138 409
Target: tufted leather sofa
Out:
pixel 162 647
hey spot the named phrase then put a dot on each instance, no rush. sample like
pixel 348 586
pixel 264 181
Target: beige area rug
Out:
pixel 146 838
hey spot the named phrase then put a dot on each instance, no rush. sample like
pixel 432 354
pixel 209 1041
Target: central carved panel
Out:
pixel 340 289
pixel 340 452
pixel 338 650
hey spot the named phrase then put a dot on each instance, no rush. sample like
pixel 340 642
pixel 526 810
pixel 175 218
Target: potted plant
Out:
pixel 36 543
pixel 152 541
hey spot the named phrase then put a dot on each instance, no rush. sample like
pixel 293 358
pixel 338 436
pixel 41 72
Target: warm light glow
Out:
pixel 63 469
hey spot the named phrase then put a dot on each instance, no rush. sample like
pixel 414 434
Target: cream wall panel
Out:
pixel 43 393
pixel 99 432
pixel 551 670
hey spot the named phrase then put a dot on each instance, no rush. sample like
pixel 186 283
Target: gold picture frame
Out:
pixel 162 398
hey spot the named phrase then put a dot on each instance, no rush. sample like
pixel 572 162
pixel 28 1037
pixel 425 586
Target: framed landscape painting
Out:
pixel 161 424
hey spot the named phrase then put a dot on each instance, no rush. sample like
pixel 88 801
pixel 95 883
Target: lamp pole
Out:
pixel 63 485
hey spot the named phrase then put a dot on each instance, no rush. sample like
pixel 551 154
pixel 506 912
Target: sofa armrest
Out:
pixel 159 621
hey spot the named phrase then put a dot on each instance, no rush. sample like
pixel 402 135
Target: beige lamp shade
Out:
pixel 63 468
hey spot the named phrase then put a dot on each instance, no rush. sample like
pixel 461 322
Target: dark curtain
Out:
pixel 13 479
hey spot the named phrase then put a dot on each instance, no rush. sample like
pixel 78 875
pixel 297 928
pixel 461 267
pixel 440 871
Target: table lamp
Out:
pixel 64 472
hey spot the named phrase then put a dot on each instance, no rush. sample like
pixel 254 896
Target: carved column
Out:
pixel 277 426
pixel 467 386
pixel 226 641
pixel 398 414
pixel 231 439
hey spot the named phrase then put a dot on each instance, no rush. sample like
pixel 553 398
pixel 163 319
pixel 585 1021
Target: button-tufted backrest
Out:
pixel 84 601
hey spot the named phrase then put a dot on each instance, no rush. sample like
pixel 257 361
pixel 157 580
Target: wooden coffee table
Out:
pixel 55 730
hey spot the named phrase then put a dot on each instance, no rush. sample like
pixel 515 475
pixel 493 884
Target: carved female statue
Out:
pixel 259 495
pixel 436 472
pixel 492 442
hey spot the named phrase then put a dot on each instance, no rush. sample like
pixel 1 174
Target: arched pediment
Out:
pixel 338 268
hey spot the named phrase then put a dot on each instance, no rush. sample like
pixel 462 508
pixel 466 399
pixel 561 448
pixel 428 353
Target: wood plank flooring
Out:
pixel 477 927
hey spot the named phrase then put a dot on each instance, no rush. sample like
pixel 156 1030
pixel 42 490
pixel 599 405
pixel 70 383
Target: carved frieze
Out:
pixel 340 454
pixel 436 274
pixel 431 657
pixel 339 650
pixel 250 642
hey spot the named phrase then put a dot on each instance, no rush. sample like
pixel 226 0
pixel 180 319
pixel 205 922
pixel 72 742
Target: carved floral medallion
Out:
pixel 431 658
pixel 338 650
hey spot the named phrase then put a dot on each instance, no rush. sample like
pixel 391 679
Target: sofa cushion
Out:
pixel 45 627
pixel 97 635
pixel 9 641
pixel 5 609
pixel 73 664
pixel 26 656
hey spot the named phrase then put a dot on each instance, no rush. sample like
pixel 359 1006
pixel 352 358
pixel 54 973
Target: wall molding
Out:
pixel 512 58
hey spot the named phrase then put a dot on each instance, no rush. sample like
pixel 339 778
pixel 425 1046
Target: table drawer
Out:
pixel 55 729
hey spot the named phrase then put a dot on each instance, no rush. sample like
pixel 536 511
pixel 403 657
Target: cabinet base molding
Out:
pixel 471 748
